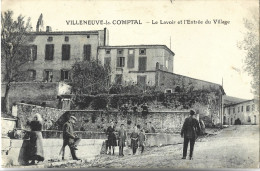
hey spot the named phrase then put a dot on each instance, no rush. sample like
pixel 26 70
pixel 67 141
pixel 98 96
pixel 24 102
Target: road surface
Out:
pixel 233 147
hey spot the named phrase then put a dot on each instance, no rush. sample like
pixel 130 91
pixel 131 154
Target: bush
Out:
pixel 99 103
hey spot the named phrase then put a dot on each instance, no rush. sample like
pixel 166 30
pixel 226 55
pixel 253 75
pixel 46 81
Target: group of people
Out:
pixel 190 131
pixel 135 108
pixel 137 139
pixel 35 148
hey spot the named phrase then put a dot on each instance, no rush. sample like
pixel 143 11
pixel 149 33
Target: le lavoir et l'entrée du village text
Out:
pixel 139 22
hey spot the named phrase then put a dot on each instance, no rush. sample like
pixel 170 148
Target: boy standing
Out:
pixel 121 139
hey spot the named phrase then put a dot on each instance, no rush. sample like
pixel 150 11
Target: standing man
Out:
pixel 121 140
pixel 189 131
pixel 69 138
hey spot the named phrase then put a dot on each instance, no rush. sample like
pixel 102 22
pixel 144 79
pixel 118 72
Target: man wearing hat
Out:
pixel 189 131
pixel 69 138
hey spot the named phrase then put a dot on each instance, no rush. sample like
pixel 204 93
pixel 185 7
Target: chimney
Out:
pixel 48 29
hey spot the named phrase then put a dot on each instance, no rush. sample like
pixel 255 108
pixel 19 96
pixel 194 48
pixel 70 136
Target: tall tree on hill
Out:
pixel 251 45
pixel 13 51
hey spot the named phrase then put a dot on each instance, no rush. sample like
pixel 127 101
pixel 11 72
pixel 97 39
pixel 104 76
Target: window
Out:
pixel 65 52
pixel 141 80
pixel 118 79
pixel 107 62
pixel 248 108
pixel 119 51
pixel 120 61
pixel 142 63
pixel 131 62
pixel 32 75
pixel 131 51
pixel 168 91
pixel 48 75
pixel 50 39
pixel 228 110
pixel 66 38
pixel 238 109
pixel 242 108
pixel 88 36
pixel 32 52
pixel 234 110
pixel 64 75
pixel 253 107
pixel 87 52
pixel 49 51
pixel 142 51
pixel 108 51
pixel 248 119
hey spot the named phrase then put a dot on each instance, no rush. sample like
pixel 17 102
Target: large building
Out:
pixel 136 64
pixel 53 53
pixel 246 111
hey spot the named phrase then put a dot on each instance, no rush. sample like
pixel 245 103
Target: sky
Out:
pixel 204 51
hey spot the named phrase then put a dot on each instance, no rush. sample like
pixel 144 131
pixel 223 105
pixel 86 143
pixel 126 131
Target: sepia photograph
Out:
pixel 136 84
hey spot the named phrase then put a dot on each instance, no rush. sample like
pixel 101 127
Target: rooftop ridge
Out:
pixel 139 45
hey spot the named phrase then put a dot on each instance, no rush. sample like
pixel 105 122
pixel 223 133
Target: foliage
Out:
pixel 99 103
pixel 89 77
pixel 13 51
pixel 251 45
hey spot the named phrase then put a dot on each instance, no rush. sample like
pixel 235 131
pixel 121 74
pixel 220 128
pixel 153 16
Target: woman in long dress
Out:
pixel 111 138
pixel 36 147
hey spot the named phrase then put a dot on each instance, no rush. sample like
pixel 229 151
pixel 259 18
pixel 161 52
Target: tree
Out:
pixel 89 77
pixel 251 45
pixel 13 51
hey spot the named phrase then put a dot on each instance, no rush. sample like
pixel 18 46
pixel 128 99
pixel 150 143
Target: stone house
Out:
pixel 246 111
pixel 136 64
pixel 53 53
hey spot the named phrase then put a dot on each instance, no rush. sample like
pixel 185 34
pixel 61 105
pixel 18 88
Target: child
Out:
pixel 134 140
pixel 121 139
pixel 142 139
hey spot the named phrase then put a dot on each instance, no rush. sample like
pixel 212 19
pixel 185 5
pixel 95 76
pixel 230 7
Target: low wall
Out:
pixel 7 124
pixel 14 150
pixel 36 92
pixel 152 139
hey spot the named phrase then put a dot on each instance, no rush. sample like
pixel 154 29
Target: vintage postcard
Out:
pixel 134 84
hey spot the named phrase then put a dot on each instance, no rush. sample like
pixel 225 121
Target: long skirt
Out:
pixel 112 140
pixel 35 147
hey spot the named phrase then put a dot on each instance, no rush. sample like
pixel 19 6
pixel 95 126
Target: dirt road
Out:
pixel 233 147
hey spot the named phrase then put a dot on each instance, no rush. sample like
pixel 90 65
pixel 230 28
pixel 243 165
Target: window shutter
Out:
pixel 65 52
pixel 118 62
pixel 62 75
pixel 49 51
pixel 131 62
pixel 87 52
pixel 34 52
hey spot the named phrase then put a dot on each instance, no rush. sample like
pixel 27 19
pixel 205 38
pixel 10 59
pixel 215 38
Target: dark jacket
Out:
pixel 190 128
pixel 68 132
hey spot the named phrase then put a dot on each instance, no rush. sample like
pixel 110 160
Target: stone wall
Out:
pixel 207 95
pixel 26 112
pixel 33 92
pixel 98 120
